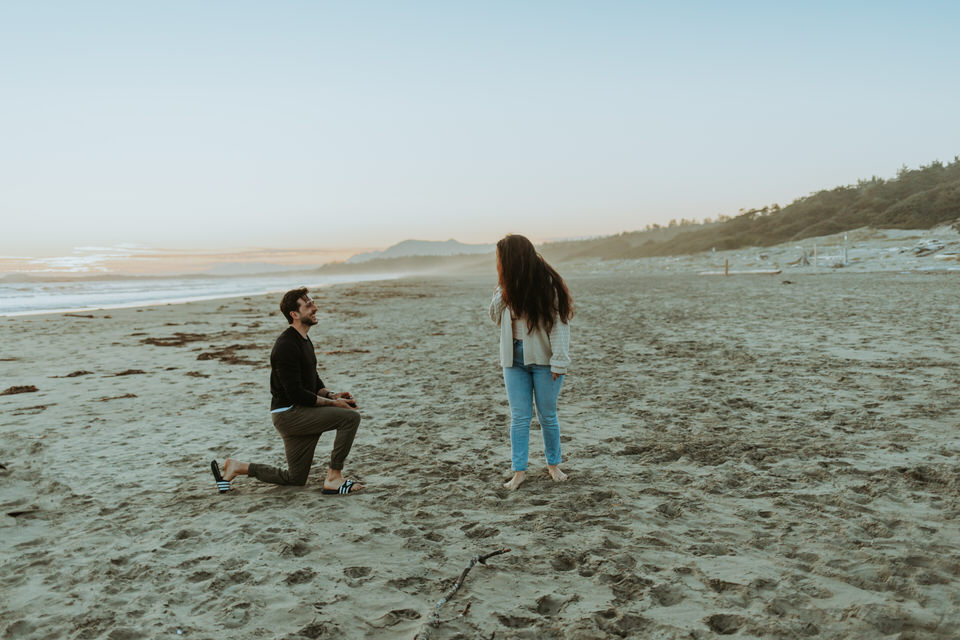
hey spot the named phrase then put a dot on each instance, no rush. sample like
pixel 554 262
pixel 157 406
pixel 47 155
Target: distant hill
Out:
pixel 916 199
pixel 409 248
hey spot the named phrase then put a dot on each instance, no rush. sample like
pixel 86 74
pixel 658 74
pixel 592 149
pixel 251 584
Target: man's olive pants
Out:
pixel 300 428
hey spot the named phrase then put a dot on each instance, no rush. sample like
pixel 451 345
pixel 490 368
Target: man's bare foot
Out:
pixel 556 474
pixel 334 479
pixel 234 468
pixel 335 486
pixel 515 482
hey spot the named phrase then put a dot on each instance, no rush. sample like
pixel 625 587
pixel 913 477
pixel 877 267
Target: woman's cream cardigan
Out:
pixel 538 346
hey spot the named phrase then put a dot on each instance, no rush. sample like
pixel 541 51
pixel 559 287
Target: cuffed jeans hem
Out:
pixel 549 462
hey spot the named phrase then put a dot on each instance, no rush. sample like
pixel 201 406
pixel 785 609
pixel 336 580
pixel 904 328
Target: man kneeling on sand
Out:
pixel 302 408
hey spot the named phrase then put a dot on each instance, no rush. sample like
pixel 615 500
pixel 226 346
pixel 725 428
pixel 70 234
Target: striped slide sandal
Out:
pixel 222 485
pixel 343 490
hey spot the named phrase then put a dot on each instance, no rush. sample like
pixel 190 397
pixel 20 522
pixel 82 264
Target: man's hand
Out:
pixel 347 396
pixel 345 404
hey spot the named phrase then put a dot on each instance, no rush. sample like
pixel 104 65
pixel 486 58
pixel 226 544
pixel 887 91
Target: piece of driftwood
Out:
pixel 434 618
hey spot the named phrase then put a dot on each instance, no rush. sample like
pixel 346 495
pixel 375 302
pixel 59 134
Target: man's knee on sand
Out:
pixel 299 480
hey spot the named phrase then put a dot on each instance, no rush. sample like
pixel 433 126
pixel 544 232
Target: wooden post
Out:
pixel 816 263
pixel 726 267
pixel 844 249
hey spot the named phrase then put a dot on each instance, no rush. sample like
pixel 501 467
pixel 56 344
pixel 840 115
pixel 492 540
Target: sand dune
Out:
pixel 746 457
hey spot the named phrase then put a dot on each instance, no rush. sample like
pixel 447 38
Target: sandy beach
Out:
pixel 771 457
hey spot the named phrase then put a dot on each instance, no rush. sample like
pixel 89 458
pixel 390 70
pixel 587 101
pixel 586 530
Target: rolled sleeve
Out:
pixel 560 346
pixel 497 305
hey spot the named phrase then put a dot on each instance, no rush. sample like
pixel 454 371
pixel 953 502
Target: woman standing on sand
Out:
pixel 533 308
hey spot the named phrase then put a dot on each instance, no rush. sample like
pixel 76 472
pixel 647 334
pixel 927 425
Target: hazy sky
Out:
pixel 358 124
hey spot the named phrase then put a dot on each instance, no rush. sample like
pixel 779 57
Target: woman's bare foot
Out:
pixel 556 474
pixel 234 468
pixel 515 481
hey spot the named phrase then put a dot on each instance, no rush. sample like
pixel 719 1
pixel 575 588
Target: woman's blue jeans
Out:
pixel 525 385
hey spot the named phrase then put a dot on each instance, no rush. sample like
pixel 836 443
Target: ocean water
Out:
pixel 24 298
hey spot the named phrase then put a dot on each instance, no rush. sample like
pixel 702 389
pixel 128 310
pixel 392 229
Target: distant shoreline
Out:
pixel 184 299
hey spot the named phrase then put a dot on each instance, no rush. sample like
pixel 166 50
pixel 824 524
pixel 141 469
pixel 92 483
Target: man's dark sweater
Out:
pixel 293 371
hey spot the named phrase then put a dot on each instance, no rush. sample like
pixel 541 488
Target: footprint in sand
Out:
pixel 236 615
pixel 515 622
pixel 724 623
pixel 666 595
pixel 300 576
pixel 626 588
pixel 200 576
pixel 324 629
pixel 394 617
pixel 482 532
pixel 669 510
pixel 628 625
pixel 298 549
pixel 710 549
pixel 357 575
pixel 179 537
pixel 588 570
pixel 549 606
pixel 722 586
pixel 19 629
pixel 563 562
pixel 413 585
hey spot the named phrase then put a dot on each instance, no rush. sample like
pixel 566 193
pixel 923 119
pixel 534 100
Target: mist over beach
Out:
pixel 756 209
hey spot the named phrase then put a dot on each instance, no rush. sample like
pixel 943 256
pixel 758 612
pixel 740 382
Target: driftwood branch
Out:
pixel 434 619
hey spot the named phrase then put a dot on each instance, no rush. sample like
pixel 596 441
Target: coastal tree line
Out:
pixel 915 199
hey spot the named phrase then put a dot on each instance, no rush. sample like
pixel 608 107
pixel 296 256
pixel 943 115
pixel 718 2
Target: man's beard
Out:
pixel 309 320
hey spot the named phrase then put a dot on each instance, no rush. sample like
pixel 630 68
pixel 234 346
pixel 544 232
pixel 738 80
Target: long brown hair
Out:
pixel 531 287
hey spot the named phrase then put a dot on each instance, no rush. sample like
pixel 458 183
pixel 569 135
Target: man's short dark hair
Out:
pixel 291 302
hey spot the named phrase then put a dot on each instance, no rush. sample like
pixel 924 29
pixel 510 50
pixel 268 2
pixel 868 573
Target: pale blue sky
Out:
pixel 359 124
